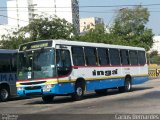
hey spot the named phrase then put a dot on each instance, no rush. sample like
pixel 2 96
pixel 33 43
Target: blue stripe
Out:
pixel 66 88
pixel 139 80
pixel 102 84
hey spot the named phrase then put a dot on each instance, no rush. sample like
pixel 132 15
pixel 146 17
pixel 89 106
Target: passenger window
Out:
pixel 133 57
pixel 103 56
pixel 124 57
pixel 91 56
pixel 63 62
pixel 14 62
pixel 78 56
pixel 114 56
pixel 141 57
pixel 5 63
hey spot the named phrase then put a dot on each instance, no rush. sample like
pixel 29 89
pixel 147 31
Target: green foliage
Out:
pixel 94 34
pixel 130 25
pixel 128 29
pixel 154 53
pixel 40 28
pixel 153 57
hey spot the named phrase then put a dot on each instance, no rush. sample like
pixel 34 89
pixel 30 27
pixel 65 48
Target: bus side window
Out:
pixel 91 56
pixel 5 63
pixel 114 56
pixel 124 57
pixel 14 62
pixel 63 62
pixel 103 56
pixel 133 57
pixel 78 56
pixel 141 57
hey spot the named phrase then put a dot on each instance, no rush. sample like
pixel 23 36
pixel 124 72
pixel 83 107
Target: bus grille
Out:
pixel 32 83
pixel 36 94
pixel 33 88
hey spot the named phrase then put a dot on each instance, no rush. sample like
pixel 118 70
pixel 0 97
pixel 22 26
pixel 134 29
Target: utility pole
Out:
pixel 17 14
pixel 55 7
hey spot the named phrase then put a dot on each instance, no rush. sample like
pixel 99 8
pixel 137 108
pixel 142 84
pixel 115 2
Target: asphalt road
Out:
pixel 144 99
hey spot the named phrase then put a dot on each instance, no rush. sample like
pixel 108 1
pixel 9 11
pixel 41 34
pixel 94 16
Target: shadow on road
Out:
pixel 67 99
pixel 18 98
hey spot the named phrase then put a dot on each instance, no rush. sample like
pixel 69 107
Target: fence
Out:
pixel 154 72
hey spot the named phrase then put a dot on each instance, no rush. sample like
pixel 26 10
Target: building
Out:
pixel 24 10
pixel 3 12
pixel 18 13
pixel 156 44
pixel 88 23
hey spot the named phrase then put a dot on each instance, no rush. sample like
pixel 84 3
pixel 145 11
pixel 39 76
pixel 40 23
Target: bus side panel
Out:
pixel 103 84
pixel 139 80
pixel 63 88
pixel 10 80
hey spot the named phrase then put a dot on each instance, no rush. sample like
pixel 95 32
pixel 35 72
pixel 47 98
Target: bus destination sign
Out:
pixel 35 45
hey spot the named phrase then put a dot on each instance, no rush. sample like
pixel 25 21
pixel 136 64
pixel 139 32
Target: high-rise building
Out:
pixel 18 13
pixel 88 23
pixel 3 12
pixel 24 10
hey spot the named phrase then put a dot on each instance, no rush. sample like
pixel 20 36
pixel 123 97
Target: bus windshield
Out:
pixel 36 64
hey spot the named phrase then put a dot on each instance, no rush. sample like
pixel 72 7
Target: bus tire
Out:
pixel 47 98
pixel 79 91
pixel 127 86
pixel 4 94
pixel 101 92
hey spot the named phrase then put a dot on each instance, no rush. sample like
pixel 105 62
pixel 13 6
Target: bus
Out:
pixel 8 68
pixel 60 67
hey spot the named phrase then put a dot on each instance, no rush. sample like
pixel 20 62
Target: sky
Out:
pixel 2 19
pixel 108 13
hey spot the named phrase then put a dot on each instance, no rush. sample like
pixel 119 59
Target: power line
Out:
pixel 93 6
pixel 120 6
pixel 14 18
pixel 112 11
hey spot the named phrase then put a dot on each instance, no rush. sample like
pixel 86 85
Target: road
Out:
pixel 144 99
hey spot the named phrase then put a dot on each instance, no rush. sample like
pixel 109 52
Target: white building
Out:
pixel 21 11
pixel 17 13
pixel 3 12
pixel 88 23
pixel 156 44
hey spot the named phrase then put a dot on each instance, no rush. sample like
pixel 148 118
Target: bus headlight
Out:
pixel 47 88
pixel 19 88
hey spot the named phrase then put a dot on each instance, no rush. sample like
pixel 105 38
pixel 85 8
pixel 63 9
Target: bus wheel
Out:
pixel 127 86
pixel 79 91
pixel 47 98
pixel 101 92
pixel 4 94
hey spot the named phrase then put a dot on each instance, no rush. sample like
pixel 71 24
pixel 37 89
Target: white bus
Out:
pixel 60 67
pixel 8 68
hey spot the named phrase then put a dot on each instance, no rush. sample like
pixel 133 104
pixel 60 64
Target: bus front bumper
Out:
pixel 35 90
pixel 50 89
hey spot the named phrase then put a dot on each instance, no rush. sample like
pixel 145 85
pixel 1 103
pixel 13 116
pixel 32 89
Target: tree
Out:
pixel 153 57
pixel 40 28
pixel 129 24
pixel 95 34
pixel 154 53
pixel 98 34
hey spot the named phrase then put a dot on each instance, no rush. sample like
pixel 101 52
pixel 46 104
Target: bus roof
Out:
pixel 8 51
pixel 89 44
pixel 78 43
